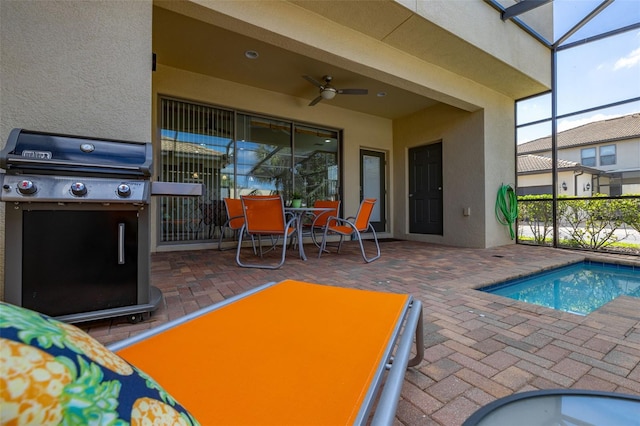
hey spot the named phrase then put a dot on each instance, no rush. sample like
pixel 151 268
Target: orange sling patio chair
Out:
pixel 235 218
pixel 320 221
pixel 288 353
pixel 353 227
pixel 264 216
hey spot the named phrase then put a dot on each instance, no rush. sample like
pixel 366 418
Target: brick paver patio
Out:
pixel 478 347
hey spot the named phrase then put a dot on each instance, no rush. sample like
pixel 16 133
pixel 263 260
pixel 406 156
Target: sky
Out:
pixel 591 74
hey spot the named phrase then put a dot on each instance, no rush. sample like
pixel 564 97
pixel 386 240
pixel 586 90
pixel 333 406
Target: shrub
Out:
pixel 537 212
pixel 592 223
pixel 587 223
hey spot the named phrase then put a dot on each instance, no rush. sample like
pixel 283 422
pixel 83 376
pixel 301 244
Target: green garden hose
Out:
pixel 507 207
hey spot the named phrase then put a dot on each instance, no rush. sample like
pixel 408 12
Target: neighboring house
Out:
pixel 534 177
pixel 608 151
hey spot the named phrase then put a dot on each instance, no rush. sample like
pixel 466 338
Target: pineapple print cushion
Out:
pixel 52 373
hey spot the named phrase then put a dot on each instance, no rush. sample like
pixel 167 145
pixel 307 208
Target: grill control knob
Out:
pixel 124 190
pixel 79 189
pixel 26 187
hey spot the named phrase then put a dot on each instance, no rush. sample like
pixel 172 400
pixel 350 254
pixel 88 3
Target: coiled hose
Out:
pixel 507 207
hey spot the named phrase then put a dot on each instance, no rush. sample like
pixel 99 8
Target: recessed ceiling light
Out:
pixel 327 140
pixel 381 94
pixel 251 54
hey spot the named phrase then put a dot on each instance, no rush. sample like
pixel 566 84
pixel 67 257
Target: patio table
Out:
pixel 299 213
pixel 559 407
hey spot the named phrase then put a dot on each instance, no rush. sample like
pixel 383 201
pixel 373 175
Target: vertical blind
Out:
pixel 231 154
pixel 195 142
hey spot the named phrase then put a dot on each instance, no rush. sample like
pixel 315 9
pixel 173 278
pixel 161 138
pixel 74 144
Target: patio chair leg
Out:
pixel 375 240
pixel 260 266
pixel 235 236
pixel 220 240
pixel 323 243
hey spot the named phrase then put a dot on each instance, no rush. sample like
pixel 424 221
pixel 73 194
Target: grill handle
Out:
pixel 121 244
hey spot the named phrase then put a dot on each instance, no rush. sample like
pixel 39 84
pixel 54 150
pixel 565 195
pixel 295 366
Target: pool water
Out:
pixel 579 288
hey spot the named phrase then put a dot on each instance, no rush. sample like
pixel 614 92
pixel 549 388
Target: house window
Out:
pixel 588 157
pixel 233 154
pixel 607 155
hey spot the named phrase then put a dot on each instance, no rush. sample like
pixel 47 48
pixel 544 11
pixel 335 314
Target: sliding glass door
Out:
pixel 234 154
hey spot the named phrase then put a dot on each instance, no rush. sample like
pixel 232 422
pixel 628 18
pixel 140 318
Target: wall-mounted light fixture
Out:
pixel 564 186
pixel 586 187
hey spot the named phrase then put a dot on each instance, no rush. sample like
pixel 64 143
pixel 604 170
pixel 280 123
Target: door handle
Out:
pixel 121 244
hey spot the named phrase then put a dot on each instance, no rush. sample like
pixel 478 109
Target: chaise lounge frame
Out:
pixel 384 364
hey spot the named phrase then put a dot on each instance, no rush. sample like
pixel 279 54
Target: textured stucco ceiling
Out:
pixel 195 45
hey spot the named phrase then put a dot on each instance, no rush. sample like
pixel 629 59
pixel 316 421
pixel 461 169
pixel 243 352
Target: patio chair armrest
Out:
pixel 229 220
pixel 290 222
pixel 341 221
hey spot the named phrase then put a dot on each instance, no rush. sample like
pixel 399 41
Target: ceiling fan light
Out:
pixel 328 93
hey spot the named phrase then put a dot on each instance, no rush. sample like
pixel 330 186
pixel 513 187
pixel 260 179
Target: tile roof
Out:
pixel 529 163
pixel 187 148
pixel 614 129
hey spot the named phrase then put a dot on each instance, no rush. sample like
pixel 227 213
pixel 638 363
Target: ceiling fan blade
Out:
pixel 312 81
pixel 315 101
pixel 353 91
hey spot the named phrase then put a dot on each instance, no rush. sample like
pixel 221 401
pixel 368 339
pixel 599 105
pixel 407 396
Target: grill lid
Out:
pixel 29 151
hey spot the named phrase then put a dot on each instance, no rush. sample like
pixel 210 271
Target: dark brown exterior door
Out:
pixel 425 189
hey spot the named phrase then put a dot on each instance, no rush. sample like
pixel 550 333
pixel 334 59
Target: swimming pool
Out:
pixel 579 288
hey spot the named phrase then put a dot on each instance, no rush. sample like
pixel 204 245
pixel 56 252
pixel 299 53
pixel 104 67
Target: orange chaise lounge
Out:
pixel 288 353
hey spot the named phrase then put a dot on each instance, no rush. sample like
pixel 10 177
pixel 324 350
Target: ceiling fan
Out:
pixel 327 91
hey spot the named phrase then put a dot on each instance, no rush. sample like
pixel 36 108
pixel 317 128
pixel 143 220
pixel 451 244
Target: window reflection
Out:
pixel 263 156
pixel 237 156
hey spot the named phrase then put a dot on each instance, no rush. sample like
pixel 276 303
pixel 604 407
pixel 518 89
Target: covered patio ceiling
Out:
pixel 190 37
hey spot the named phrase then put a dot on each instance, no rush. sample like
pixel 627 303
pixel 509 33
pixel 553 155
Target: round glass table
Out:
pixel 559 407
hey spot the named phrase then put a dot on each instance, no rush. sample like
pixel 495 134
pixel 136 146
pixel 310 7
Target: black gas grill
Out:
pixel 77 225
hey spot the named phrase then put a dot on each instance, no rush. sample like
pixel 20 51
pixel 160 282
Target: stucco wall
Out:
pixel 463 186
pixel 478 24
pixel 360 130
pixel 538 179
pixel 627 154
pixel 499 162
pixel 478 152
pixel 544 179
pixel 75 67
